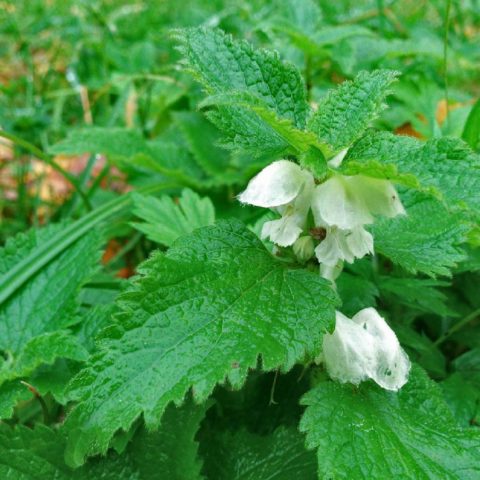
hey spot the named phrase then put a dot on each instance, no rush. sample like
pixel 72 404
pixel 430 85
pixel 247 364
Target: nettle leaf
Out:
pixel 242 455
pixel 425 240
pixel 115 141
pixel 167 156
pixel 367 432
pixel 289 137
pixel 225 66
pixel 416 293
pixel 166 220
pixel 347 111
pixel 10 394
pixel 171 452
pixel 198 315
pixel 203 138
pixel 356 293
pixel 445 167
pixel 34 320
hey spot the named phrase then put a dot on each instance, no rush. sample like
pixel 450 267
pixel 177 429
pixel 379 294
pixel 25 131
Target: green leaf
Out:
pixel 367 432
pixel 167 220
pixel 416 293
pixel 242 455
pixel 23 270
pixel 356 293
pixel 10 394
pixel 425 240
pixel 115 141
pixel 289 137
pixel 202 139
pixel 276 109
pixel 167 155
pixel 33 321
pixel 347 111
pixel 199 314
pixel 171 452
pixel 445 166
pixel 224 65
pixel 463 398
pixel 471 131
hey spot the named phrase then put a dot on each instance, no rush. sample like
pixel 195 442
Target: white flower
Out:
pixel 349 202
pixel 344 245
pixel 286 188
pixel 363 348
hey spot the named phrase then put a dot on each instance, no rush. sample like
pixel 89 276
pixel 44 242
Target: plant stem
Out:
pixel 459 325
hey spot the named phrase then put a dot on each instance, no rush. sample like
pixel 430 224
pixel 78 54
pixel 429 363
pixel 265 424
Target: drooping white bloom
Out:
pixel 349 202
pixel 286 188
pixel 342 245
pixel 363 348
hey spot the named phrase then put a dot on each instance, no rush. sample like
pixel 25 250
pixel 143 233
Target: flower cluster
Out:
pixel 341 207
pixel 363 347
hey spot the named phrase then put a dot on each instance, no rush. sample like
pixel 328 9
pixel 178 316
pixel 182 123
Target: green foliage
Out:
pixel 242 455
pixel 263 98
pixel 347 111
pixel 166 220
pixel 426 240
pixel 35 320
pixel 201 313
pixel 446 167
pixel 27 454
pixel 369 433
pixel 190 362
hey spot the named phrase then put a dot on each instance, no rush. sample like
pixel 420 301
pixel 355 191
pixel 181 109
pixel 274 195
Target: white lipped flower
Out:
pixel 363 348
pixel 287 188
pixel 343 205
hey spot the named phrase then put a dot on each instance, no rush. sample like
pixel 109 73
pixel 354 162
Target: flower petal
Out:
pixel 365 347
pixel 344 245
pixel 359 242
pixel 335 203
pixel 379 195
pixel 283 232
pixel 277 184
pixel 333 248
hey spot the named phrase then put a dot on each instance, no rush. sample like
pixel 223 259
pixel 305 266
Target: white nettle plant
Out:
pixel 363 347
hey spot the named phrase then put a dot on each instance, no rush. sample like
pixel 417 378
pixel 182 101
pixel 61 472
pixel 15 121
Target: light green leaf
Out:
pixel 166 220
pixel 367 432
pixel 34 320
pixel 425 240
pixel 242 455
pixel 445 166
pixel 348 110
pixel 199 314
